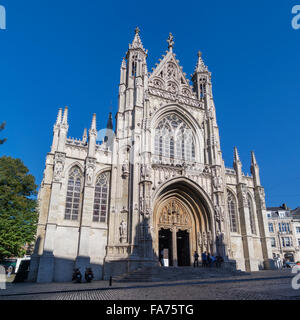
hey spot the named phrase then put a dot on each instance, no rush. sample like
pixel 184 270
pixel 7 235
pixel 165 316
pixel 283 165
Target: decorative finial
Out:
pixel 170 41
pixel 137 30
pixel 199 54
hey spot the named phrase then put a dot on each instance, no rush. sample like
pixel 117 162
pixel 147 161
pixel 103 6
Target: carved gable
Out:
pixel 168 76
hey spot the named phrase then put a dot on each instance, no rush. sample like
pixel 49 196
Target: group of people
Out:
pixel 208 260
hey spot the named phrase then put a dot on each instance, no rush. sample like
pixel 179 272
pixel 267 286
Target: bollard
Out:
pixel 110 281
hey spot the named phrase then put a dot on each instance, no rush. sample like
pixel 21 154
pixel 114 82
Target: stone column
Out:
pixel 174 246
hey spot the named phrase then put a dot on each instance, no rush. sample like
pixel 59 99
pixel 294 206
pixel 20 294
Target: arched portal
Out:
pixel 183 223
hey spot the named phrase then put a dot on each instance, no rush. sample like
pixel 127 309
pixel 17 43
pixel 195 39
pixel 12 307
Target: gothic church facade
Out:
pixel 158 181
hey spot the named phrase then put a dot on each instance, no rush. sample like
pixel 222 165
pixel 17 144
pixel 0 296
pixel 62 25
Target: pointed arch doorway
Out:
pixel 174 228
pixel 183 222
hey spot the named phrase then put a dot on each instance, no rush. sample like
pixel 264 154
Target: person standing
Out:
pixel 196 256
pixel 208 259
pixel 204 259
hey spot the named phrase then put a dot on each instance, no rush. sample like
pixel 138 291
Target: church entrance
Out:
pixel 174 227
pixel 165 246
pixel 183 248
pixel 183 224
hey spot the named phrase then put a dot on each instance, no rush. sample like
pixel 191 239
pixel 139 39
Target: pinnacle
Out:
pixel 200 66
pixel 137 42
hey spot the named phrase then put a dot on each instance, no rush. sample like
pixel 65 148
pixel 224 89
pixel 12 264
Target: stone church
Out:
pixel 157 181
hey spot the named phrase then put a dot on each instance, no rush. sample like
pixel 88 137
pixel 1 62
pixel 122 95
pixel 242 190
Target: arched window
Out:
pixel 101 198
pixel 73 199
pixel 232 211
pixel 251 215
pixel 174 139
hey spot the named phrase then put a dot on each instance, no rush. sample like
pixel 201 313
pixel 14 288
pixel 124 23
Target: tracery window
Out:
pixel 232 209
pixel 73 199
pixel 251 214
pixel 101 198
pixel 174 139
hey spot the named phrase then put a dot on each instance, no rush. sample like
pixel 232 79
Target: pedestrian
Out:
pixel 213 260
pixel 219 261
pixel 9 271
pixel 161 258
pixel 196 256
pixel 208 259
pixel 204 259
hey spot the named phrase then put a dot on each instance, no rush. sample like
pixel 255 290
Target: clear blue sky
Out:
pixel 57 53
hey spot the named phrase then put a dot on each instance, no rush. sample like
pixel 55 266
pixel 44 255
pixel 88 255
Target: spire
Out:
pixel 170 41
pixel 137 42
pixel 236 155
pixel 93 125
pixel 253 159
pixel 237 166
pixel 65 118
pixel 255 169
pixel 109 128
pixel 92 138
pixel 110 122
pixel 200 66
pixel 123 65
pixel 84 137
pixel 59 116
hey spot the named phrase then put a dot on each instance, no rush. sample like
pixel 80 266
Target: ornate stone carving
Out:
pixel 173 213
pixel 125 169
pixel 90 168
pixel 244 191
pixel 145 172
pixel 123 231
pixel 59 163
pixel 219 213
pixel 262 197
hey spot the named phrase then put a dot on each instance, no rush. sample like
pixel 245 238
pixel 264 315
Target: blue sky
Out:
pixel 57 53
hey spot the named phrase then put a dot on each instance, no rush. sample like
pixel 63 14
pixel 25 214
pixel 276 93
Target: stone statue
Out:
pixel 123 229
pixel 89 175
pixel 58 170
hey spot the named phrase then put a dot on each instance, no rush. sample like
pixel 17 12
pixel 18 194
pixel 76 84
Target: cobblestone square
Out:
pixel 262 285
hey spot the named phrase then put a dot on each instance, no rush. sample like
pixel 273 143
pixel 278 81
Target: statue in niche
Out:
pixel 58 170
pixel 89 175
pixel 123 229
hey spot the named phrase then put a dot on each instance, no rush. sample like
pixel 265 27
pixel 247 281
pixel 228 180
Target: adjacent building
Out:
pixel 284 229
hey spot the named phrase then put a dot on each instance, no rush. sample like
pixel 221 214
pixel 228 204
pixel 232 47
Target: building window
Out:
pixel 231 203
pixel 271 227
pixel 101 198
pixel 284 227
pixel 174 139
pixel 251 214
pixel 73 199
pixel 299 242
pixel 297 229
pixel 273 242
pixel 286 242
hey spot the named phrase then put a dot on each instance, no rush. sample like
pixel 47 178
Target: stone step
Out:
pixel 151 274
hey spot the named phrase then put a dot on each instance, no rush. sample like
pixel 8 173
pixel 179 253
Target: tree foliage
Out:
pixel 18 207
pixel 2 126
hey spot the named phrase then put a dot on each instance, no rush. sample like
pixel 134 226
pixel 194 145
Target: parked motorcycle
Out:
pixel 89 276
pixel 77 276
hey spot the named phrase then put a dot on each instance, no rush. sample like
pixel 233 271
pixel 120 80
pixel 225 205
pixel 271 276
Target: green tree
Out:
pixel 18 207
pixel 2 126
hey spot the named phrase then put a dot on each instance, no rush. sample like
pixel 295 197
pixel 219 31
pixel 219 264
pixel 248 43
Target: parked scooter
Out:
pixel 77 276
pixel 89 276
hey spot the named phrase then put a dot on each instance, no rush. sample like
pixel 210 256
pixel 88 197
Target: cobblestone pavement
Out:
pixel 265 285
